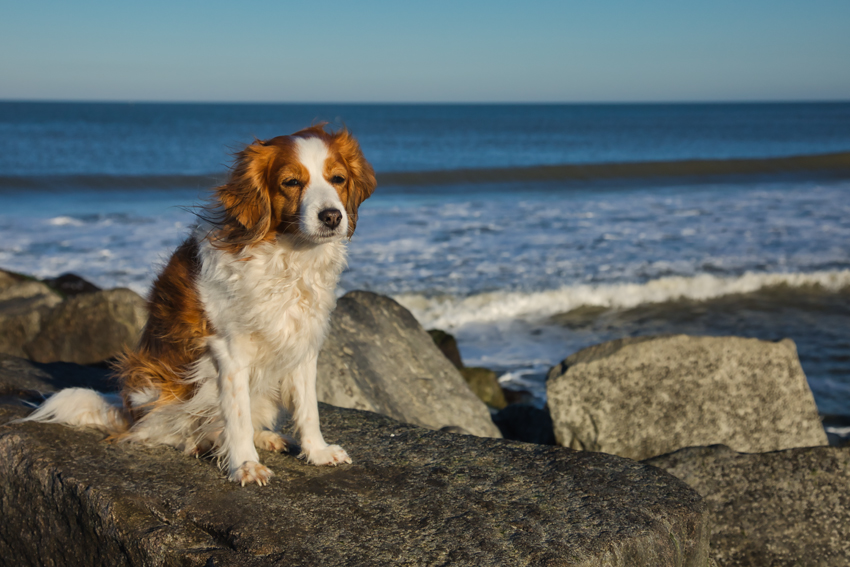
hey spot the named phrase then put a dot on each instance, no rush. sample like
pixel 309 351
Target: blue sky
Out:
pixel 439 51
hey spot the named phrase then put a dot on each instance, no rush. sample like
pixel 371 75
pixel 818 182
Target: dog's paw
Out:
pixel 251 471
pixel 332 455
pixel 272 441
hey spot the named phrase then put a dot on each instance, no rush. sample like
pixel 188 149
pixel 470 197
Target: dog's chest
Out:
pixel 280 298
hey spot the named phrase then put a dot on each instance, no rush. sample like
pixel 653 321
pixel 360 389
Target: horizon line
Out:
pixel 428 103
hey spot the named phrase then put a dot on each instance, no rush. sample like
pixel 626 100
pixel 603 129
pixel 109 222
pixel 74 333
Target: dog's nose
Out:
pixel 330 217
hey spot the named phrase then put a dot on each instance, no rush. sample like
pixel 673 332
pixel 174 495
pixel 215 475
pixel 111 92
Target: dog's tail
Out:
pixel 83 408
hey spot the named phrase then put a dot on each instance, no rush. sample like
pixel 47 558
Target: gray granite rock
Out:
pixel 89 328
pixel 784 508
pixel 648 396
pixel 17 286
pixel 23 304
pixel 411 497
pixel 378 358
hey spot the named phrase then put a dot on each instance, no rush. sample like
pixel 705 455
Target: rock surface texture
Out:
pixel 785 508
pixel 24 303
pixel 411 497
pixel 377 357
pixel 648 396
pixel 89 328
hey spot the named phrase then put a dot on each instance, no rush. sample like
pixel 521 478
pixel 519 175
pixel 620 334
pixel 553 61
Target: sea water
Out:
pixel 524 273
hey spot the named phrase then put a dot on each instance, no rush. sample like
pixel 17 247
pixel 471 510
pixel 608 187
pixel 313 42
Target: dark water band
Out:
pixel 838 164
pixel 834 165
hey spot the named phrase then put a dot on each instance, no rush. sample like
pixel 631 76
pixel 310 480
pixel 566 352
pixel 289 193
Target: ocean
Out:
pixel 527 231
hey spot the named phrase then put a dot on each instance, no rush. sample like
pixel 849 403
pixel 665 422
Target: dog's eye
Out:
pixel 291 183
pixel 337 179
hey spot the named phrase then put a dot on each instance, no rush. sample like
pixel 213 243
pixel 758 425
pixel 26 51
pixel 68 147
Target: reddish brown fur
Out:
pixel 173 337
pixel 253 206
pixel 345 155
pixel 255 202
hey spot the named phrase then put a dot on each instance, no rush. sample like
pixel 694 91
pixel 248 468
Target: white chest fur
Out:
pixel 272 301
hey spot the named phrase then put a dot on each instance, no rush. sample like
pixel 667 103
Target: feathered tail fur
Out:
pixel 83 407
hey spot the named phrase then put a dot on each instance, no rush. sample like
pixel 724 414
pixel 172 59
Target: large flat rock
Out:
pixel 648 396
pixel 377 357
pixel 412 497
pixel 784 508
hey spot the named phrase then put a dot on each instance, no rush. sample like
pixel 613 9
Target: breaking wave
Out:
pixel 447 312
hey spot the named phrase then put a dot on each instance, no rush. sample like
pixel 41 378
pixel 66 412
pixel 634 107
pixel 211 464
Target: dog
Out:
pixel 239 313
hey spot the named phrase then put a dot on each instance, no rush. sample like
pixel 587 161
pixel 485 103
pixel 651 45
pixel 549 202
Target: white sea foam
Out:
pixel 449 312
pixel 840 431
pixel 65 221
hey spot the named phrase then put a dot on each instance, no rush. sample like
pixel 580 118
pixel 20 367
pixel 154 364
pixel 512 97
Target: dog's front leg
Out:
pixel 305 415
pixel 237 439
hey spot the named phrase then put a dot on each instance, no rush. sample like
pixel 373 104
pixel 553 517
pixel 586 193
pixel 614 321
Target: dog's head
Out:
pixel 309 185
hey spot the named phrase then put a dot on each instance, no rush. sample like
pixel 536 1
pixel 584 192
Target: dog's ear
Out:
pixel 362 180
pixel 244 205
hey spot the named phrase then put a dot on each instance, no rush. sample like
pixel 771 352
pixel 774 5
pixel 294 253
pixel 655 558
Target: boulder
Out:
pixel 377 357
pixel 23 304
pixel 647 396
pixel 448 346
pixel 485 384
pixel 71 284
pixel 784 508
pixel 89 328
pixel 411 497
pixel 17 286
pixel 483 381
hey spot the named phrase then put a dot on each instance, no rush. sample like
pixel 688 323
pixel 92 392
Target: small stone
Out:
pixel 447 345
pixel 485 384
pixel 70 285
